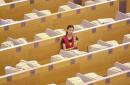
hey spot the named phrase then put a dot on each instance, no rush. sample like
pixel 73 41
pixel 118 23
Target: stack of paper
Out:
pixel 95 22
pixel 100 0
pixel 113 70
pixel 2 2
pixel 43 36
pixel 73 5
pixel 74 81
pixel 96 47
pixel 23 65
pixel 56 58
pixel 42 13
pixel 90 2
pixel 51 32
pixel 67 54
pixel 3 22
pixel 64 8
pixel 32 63
pixel 60 31
pixel 21 41
pixel 7 44
pixel 78 27
pixel 17 41
pixel 30 16
pixel 71 53
pixel 77 52
pixel 89 76
pixel 126 38
pixel 51 84
pixel 125 66
pixel 106 20
pixel 10 20
pixel 9 69
pixel 108 43
pixel 18 0
pixel 128 14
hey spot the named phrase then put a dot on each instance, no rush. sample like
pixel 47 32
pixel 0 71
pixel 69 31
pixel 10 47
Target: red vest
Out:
pixel 67 44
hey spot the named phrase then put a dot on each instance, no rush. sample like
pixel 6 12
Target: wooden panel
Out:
pixel 43 50
pixel 24 7
pixel 128 5
pixel 59 71
pixel 69 17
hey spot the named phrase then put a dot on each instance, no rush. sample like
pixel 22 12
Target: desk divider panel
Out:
pixel 128 6
pixel 22 7
pixel 28 28
pixel 43 50
pixel 59 71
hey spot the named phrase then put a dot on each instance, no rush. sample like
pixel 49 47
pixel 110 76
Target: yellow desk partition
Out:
pixel 43 50
pixel 16 10
pixel 58 72
pixel 29 28
pixel 128 6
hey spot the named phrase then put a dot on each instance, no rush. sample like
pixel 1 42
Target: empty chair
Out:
pixel 74 81
pixel 90 2
pixel 30 16
pixel 89 76
pixel 96 47
pixel 108 43
pixel 56 58
pixel 126 38
pixel 42 13
pixel 113 70
pixel 43 36
pixel 10 69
